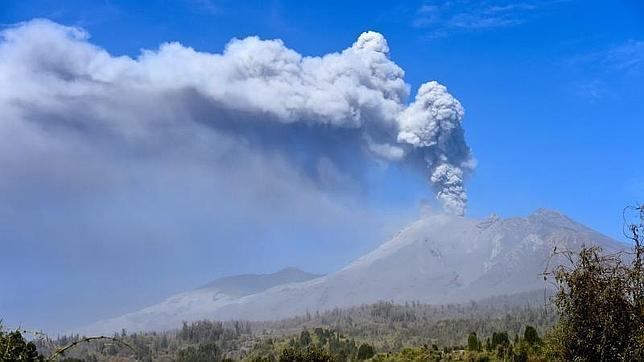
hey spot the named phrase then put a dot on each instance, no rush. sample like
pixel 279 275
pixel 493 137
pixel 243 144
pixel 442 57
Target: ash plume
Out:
pixel 68 103
pixel 432 125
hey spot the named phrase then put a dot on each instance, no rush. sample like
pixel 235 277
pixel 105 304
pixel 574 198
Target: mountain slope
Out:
pixel 246 284
pixel 199 303
pixel 438 259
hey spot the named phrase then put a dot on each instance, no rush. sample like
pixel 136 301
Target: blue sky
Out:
pixel 553 92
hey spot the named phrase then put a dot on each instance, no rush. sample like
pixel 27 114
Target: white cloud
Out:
pixel 443 17
pixel 627 57
pixel 601 70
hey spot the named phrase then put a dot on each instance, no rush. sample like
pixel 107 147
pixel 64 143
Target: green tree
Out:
pixel 500 339
pixel 13 347
pixel 204 352
pixel 310 354
pixel 365 351
pixel 600 299
pixel 305 338
pixel 473 342
pixel 531 336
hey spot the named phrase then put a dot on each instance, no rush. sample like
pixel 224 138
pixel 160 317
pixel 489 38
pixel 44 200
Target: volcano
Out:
pixel 438 259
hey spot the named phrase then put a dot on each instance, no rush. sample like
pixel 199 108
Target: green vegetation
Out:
pixel 379 332
pixel 203 352
pixel 600 299
pixel 13 347
pixel 365 351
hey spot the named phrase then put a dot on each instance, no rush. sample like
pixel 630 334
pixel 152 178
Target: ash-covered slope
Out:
pixel 199 303
pixel 246 284
pixel 438 259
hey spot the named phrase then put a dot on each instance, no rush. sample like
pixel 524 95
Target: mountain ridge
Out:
pixel 245 284
pixel 437 259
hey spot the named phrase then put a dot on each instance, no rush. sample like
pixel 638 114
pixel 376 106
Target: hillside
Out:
pixel 437 259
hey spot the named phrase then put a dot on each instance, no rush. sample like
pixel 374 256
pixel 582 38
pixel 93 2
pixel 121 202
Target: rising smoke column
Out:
pixel 58 91
pixel 432 125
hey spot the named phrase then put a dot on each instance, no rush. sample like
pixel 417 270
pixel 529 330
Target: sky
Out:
pixel 148 147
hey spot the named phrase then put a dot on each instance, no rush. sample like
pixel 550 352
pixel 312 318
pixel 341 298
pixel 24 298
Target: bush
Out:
pixel 365 351
pixel 13 347
pixel 600 299
pixel 310 354
pixel 204 352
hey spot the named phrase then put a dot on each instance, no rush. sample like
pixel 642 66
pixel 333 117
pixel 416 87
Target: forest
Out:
pixel 380 331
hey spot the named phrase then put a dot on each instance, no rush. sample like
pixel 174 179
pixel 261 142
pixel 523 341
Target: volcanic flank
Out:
pixel 437 259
